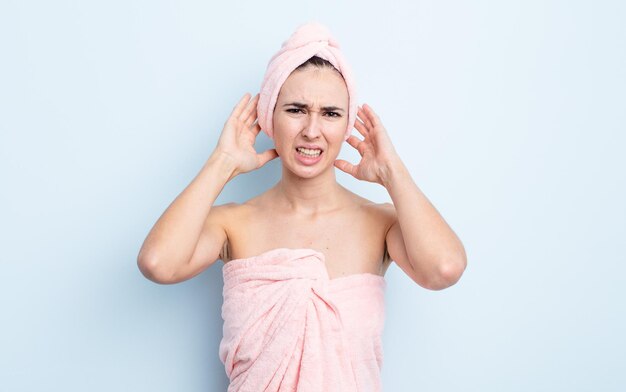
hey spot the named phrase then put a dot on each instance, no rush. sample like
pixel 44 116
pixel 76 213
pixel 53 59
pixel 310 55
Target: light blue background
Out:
pixel 510 115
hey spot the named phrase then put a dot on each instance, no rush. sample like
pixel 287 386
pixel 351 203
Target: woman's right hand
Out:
pixel 238 136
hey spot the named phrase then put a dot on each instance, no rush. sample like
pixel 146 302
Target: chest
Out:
pixel 352 242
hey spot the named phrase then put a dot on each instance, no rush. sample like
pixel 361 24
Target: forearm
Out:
pixel 174 236
pixel 432 247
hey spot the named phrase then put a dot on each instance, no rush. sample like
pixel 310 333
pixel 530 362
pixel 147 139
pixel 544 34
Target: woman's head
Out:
pixel 311 112
pixel 311 46
pixel 317 62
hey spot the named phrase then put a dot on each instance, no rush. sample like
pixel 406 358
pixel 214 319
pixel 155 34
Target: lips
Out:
pixel 310 147
pixel 305 154
pixel 307 160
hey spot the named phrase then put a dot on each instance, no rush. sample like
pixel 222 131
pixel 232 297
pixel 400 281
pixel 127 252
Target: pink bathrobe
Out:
pixel 288 327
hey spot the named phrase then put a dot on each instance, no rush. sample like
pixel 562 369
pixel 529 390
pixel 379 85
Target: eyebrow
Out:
pixel 305 106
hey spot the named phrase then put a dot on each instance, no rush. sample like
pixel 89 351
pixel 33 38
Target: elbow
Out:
pixel 448 273
pixel 153 270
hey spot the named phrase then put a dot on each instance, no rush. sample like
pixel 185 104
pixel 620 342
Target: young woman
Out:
pixel 304 261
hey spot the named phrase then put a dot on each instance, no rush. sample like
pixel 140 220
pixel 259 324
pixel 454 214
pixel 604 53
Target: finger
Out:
pixel 250 112
pixel 359 113
pixel 358 124
pixel 365 118
pixel 371 114
pixel 240 105
pixel 356 143
pixel 267 156
pixel 252 117
pixel 256 129
pixel 346 167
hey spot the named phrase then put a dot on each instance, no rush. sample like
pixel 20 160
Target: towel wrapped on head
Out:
pixel 311 39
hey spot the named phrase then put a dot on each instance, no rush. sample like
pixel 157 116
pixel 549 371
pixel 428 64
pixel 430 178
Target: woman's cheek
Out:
pixel 295 124
pixel 287 124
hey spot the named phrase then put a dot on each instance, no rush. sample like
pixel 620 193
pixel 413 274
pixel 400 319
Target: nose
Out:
pixel 312 128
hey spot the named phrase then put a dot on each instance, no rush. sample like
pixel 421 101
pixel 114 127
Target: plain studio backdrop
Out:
pixel 509 114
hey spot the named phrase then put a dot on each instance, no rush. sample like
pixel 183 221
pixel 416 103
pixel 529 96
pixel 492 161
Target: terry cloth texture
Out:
pixel 289 327
pixel 311 39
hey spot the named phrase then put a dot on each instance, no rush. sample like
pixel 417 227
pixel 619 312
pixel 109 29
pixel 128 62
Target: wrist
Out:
pixel 223 164
pixel 391 171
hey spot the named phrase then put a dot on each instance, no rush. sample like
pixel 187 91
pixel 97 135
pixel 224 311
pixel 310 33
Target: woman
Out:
pixel 305 260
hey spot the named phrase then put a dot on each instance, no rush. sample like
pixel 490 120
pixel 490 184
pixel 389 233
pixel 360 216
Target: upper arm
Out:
pixel 210 243
pixel 396 247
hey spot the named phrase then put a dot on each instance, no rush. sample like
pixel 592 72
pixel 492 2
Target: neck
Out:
pixel 310 196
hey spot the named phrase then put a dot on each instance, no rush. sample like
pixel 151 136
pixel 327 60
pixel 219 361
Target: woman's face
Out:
pixel 311 111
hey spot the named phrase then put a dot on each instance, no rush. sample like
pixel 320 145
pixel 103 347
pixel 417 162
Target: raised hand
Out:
pixel 238 137
pixel 377 152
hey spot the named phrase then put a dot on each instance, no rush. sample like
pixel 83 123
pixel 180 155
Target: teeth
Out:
pixel 309 152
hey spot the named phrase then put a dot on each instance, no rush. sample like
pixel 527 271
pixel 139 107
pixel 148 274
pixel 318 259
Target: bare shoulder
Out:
pixel 228 214
pixel 217 222
pixel 222 220
pixel 232 214
pixel 380 217
pixel 385 213
pixel 221 212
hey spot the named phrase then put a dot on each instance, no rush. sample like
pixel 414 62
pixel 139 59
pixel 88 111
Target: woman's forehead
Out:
pixel 315 87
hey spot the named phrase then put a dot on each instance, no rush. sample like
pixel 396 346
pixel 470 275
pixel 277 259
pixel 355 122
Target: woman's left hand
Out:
pixel 376 150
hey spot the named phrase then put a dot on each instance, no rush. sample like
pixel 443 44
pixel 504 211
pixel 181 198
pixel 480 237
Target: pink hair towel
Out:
pixel 311 39
pixel 289 327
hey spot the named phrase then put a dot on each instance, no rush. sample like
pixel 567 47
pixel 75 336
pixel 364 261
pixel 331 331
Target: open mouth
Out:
pixel 309 153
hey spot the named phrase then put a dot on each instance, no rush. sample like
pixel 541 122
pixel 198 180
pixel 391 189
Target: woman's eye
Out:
pixel 298 110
